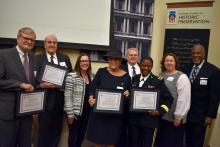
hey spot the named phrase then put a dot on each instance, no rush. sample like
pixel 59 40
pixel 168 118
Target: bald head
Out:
pixel 50 44
pixel 198 53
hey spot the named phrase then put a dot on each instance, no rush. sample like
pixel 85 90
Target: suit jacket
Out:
pixel 55 97
pixel 152 83
pixel 204 94
pixel 12 74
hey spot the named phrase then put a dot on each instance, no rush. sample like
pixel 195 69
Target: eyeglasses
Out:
pixel 28 39
pixel 85 61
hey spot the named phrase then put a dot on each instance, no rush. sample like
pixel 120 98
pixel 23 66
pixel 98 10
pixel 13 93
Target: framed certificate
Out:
pixel 54 74
pixel 29 103
pixel 143 100
pixel 109 101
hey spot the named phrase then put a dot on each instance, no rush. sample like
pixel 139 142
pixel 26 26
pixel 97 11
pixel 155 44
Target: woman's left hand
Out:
pixel 154 113
pixel 176 122
pixel 126 93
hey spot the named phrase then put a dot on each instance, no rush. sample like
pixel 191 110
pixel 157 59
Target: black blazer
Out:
pixel 153 83
pixel 12 74
pixel 54 96
pixel 204 93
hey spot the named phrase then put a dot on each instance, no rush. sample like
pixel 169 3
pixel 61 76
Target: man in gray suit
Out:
pixel 16 74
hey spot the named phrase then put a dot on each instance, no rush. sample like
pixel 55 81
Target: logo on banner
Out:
pixel 172 17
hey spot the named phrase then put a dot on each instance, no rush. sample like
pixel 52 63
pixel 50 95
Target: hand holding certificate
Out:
pixel 109 101
pixel 29 103
pixel 143 100
pixel 54 74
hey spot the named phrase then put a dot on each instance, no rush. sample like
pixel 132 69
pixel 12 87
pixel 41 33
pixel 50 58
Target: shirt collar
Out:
pixel 200 65
pixel 21 53
pixel 48 56
pixel 145 78
pixel 130 66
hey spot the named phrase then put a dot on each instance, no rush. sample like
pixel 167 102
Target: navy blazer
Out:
pixel 12 74
pixel 152 83
pixel 55 96
pixel 204 93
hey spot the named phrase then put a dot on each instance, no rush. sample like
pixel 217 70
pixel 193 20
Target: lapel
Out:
pixel 147 82
pixel 59 58
pixel 31 66
pixel 150 82
pixel 201 73
pixel 18 62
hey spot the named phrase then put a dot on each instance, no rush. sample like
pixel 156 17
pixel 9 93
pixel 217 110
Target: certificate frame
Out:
pixel 23 100
pixel 47 73
pixel 137 95
pixel 119 101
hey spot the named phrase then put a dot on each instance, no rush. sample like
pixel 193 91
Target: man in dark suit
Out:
pixel 131 67
pixel 16 74
pixel 204 97
pixel 50 122
pixel 143 124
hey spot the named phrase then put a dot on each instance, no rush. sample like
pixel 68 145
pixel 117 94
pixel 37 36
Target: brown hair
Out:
pixel 77 65
pixel 177 66
pixel 26 30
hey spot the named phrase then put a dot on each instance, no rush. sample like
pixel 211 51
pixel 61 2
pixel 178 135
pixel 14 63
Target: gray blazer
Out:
pixel 12 74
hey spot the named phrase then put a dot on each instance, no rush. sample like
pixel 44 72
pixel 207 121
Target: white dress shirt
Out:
pixel 130 69
pixel 143 79
pixel 21 54
pixel 55 60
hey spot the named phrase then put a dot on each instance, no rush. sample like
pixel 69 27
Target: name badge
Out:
pixel 63 64
pixel 119 87
pixel 170 78
pixel 203 81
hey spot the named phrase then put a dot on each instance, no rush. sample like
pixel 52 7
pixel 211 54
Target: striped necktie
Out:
pixel 194 73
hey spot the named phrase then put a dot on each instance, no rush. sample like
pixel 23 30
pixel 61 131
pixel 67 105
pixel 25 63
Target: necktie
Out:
pixel 194 73
pixel 26 66
pixel 133 71
pixel 51 59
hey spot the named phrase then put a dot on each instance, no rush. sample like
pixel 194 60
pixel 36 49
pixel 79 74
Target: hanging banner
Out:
pixel 198 18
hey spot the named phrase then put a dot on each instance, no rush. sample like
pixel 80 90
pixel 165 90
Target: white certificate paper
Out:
pixel 145 100
pixel 54 75
pixel 30 102
pixel 108 101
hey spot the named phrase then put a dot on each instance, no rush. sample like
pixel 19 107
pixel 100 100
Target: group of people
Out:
pixel 187 103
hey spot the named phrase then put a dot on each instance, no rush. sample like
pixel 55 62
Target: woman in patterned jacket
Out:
pixel 76 99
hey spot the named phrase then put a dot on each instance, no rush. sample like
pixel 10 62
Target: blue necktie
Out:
pixel 133 71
